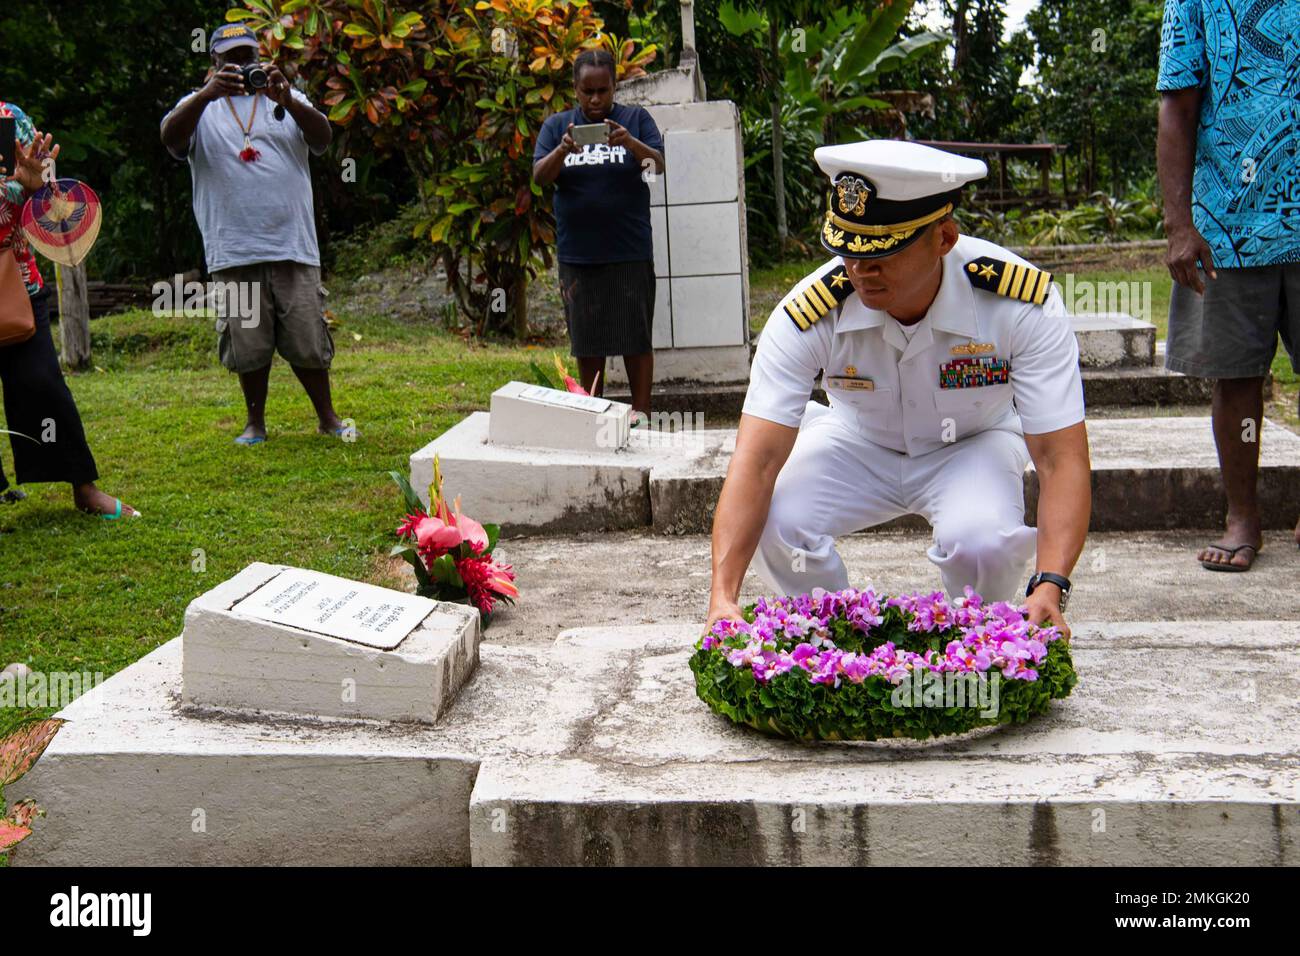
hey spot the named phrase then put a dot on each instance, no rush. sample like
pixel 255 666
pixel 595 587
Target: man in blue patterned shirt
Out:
pixel 1227 158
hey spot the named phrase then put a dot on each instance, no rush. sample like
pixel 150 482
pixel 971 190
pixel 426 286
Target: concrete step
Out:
pixel 1114 340
pixel 1148 474
pixel 1116 352
pixel 720 405
pixel 1176 747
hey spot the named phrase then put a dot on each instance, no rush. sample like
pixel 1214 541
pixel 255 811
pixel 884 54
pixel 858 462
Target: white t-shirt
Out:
pixel 252 212
pixel 909 330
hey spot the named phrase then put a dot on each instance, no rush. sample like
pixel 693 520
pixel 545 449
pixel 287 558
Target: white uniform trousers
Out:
pixel 836 482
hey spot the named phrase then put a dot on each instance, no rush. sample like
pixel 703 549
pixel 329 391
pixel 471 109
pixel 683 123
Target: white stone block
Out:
pixel 719 364
pixel 707 311
pixel 661 333
pixel 659 238
pixel 656 184
pixel 704 239
pixel 703 167
pixel 713 114
pixel 239 654
pixel 537 417
pixel 1114 340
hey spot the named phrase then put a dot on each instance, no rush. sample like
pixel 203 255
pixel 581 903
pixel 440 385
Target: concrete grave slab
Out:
pixel 133 779
pixel 1134 387
pixel 137 778
pixel 524 490
pixel 1148 474
pixel 1171 740
pixel 237 656
pixel 595 750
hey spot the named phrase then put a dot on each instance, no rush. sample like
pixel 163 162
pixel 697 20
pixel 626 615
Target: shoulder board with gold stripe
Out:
pixel 827 289
pixel 1010 279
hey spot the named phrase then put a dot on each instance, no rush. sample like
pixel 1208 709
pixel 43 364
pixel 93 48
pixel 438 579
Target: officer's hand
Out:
pixel 567 142
pixel 1186 246
pixel 1044 609
pixel 228 81
pixel 723 610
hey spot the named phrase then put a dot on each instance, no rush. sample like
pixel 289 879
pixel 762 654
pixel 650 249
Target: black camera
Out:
pixel 255 77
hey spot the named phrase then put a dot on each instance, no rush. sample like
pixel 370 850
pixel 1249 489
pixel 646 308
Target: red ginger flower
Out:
pixel 487 581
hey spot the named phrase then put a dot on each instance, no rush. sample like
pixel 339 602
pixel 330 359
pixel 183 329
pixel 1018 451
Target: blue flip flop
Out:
pixel 117 514
pixel 250 440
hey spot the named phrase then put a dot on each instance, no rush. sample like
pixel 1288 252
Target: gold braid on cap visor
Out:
pixel 889 236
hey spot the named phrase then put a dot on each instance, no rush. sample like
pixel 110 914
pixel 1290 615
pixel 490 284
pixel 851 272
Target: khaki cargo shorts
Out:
pixel 270 307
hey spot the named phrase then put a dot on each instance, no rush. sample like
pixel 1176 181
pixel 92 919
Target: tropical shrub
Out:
pixel 19 750
pixel 459 89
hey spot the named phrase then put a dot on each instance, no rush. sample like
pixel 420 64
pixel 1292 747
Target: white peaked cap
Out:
pixel 900 170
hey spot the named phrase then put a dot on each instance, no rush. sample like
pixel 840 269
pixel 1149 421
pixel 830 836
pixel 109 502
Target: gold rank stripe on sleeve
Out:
pixel 1010 279
pixel 824 292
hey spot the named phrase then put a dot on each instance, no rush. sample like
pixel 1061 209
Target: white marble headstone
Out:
pixel 287 640
pixel 349 610
pixel 540 417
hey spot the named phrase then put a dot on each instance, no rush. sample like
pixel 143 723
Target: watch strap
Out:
pixel 1050 577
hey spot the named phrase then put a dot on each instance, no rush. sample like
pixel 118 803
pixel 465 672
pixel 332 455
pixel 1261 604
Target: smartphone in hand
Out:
pixel 591 134
pixel 8 136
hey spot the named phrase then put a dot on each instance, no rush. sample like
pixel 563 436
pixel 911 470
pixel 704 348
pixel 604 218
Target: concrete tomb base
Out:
pixel 1148 474
pixel 1177 747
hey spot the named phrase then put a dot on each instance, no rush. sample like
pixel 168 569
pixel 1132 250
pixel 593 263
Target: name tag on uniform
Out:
pixel 853 384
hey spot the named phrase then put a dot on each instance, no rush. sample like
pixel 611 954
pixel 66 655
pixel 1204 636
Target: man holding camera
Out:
pixel 246 134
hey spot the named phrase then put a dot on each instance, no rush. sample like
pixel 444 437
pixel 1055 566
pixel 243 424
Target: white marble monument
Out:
pixel 283 640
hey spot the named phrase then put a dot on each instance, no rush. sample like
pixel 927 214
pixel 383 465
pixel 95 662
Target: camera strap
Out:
pixel 248 154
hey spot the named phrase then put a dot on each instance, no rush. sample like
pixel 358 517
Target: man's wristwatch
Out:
pixel 1060 581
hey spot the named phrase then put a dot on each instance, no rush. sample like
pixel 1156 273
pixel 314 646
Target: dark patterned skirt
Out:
pixel 609 307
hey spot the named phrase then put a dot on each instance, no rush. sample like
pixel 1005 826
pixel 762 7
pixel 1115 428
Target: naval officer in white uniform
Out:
pixel 949 364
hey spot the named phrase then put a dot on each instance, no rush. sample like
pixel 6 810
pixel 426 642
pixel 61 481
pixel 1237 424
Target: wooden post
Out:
pixel 74 316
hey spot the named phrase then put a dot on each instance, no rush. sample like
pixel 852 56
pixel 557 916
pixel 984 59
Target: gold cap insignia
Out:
pixel 854 193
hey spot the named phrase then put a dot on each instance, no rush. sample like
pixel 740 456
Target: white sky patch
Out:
pixel 933 18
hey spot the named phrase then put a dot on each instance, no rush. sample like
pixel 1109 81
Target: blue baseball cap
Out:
pixel 230 36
